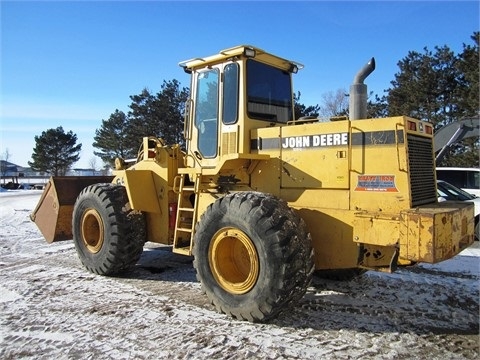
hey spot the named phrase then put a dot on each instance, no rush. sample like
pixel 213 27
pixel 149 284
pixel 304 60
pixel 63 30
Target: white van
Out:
pixel 467 179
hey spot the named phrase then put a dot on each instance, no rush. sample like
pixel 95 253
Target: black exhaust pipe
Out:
pixel 358 92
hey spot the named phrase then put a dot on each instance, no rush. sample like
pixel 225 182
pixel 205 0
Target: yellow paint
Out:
pixel 359 185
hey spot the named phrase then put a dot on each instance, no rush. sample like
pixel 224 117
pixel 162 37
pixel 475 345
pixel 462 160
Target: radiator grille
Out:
pixel 422 170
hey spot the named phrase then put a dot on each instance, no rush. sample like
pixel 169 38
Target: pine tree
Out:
pixel 442 88
pixel 159 115
pixel 55 151
pixel 425 87
pixel 301 110
pixel 112 139
pixel 469 87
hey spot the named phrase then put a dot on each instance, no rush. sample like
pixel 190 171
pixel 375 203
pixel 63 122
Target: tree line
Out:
pixel 159 115
pixel 438 86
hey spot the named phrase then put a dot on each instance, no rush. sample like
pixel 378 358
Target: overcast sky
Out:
pixel 72 64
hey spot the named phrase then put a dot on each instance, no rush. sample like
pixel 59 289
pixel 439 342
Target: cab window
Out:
pixel 269 93
pixel 206 112
pixel 230 94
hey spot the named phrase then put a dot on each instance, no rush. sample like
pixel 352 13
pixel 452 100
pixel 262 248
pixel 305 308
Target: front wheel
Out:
pixel 108 235
pixel 253 255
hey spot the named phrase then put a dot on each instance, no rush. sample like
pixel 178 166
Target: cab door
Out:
pixel 203 144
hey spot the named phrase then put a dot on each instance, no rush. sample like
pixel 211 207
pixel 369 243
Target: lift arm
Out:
pixel 453 133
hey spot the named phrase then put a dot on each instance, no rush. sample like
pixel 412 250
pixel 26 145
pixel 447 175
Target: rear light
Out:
pixel 172 215
pixel 412 125
pixel 428 130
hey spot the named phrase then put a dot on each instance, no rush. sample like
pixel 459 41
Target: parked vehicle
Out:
pixel 467 179
pixel 447 191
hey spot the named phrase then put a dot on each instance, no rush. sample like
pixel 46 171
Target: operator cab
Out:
pixel 233 92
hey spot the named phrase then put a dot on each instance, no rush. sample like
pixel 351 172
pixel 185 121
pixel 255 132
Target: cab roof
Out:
pixel 247 51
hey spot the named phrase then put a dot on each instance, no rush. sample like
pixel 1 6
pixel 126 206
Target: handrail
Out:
pixel 186 119
pixel 397 144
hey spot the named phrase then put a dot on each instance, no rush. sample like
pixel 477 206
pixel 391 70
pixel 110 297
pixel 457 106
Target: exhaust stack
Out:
pixel 358 92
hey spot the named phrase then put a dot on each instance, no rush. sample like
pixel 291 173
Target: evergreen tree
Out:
pixel 442 88
pixel 301 110
pixel 172 102
pixel 377 108
pixel 143 120
pixel 426 86
pixel 112 139
pixel 55 151
pixel 469 88
pixel 466 152
pixel 159 115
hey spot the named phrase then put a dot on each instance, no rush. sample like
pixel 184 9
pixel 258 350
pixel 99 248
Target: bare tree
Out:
pixel 93 164
pixel 4 157
pixel 106 169
pixel 334 103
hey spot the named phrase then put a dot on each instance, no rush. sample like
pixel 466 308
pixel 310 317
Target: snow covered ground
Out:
pixel 52 308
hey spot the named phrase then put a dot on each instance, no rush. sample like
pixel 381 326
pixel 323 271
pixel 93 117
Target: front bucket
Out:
pixel 53 214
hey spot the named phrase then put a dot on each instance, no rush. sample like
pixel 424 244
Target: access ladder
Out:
pixel 186 214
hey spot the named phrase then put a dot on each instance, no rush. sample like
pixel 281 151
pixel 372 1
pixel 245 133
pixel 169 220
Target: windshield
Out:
pixel 451 192
pixel 269 93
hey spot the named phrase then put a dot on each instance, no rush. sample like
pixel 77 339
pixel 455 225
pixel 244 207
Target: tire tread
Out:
pixel 288 242
pixel 125 230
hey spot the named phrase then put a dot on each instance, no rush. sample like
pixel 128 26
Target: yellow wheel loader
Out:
pixel 260 199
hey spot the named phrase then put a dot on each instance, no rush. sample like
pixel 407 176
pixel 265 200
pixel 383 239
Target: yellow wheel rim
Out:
pixel 92 230
pixel 233 260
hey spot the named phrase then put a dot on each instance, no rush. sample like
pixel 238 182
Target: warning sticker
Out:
pixel 381 183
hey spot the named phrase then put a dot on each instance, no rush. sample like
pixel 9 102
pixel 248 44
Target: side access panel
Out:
pixel 315 156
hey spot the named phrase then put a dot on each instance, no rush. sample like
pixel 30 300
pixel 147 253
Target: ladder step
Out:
pixel 184 230
pixel 183 251
pixel 187 188
pixel 186 209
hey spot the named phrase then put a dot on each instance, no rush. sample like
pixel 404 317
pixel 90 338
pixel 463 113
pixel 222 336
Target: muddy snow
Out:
pixel 51 307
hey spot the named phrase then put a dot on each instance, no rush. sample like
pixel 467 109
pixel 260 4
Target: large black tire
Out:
pixel 108 235
pixel 253 255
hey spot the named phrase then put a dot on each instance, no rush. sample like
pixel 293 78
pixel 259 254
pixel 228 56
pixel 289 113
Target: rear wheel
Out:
pixel 108 235
pixel 253 255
